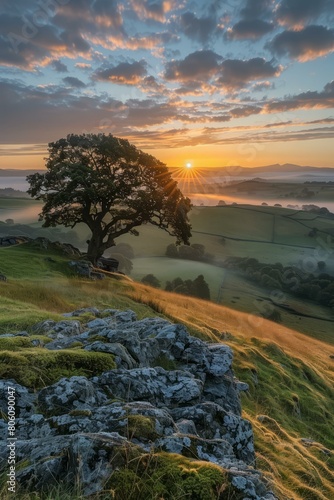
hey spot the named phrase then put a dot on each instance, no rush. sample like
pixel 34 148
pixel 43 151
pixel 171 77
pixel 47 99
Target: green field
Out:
pixel 231 289
pixel 269 234
pixel 280 235
pixel 166 269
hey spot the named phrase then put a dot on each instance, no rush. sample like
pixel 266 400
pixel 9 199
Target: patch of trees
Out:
pixel 195 288
pixel 305 194
pixel 323 211
pixel 319 182
pixel 291 279
pixel 151 280
pixel 196 251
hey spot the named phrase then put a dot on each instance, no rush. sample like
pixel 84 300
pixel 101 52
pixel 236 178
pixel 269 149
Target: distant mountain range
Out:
pixel 288 172
pixel 233 171
pixel 287 167
pixel 237 170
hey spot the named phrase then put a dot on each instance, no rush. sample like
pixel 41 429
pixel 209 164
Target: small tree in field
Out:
pixel 151 280
pixel 112 187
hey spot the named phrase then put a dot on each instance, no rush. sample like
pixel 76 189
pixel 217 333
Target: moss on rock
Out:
pixel 141 427
pixel 169 476
pixel 37 368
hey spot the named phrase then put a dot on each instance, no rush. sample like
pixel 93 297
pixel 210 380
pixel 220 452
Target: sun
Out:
pixel 189 165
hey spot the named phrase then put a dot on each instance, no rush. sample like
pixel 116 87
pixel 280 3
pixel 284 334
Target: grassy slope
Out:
pixel 265 224
pixel 290 375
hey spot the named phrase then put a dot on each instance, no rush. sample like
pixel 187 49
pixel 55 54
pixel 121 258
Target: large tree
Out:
pixel 110 185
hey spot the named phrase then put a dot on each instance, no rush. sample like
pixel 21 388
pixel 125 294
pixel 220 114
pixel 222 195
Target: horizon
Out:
pixel 194 167
pixel 212 85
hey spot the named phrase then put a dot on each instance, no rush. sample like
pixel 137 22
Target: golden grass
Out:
pixel 292 368
pixel 213 320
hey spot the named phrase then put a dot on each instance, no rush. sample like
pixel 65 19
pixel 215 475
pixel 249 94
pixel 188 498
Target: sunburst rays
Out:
pixel 189 179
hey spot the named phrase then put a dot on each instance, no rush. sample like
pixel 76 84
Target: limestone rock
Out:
pixel 214 422
pixel 122 357
pixel 24 400
pixel 58 330
pixel 69 394
pixel 88 459
pixel 85 310
pixel 75 429
pixel 81 267
pixel 155 385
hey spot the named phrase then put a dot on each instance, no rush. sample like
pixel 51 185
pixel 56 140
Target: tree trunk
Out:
pixel 95 251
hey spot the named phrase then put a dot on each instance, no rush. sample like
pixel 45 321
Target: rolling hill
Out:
pixel 290 401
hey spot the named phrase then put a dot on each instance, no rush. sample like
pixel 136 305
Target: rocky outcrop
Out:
pixel 86 269
pixel 7 241
pixel 64 248
pixel 41 243
pixel 170 392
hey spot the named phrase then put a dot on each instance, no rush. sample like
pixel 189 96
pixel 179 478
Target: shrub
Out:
pixel 151 280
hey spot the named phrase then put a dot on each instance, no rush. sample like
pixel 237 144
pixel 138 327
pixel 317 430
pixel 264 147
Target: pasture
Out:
pixel 166 269
pixel 269 234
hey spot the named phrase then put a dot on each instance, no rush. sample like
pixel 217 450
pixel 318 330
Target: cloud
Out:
pixel 308 43
pixel 148 112
pixel 256 9
pixel 9 56
pixel 84 66
pixel 147 41
pixel 35 32
pixel 207 71
pixel 261 86
pixel 89 13
pixel 305 100
pixel 196 88
pixel 198 29
pixel 245 111
pixel 151 84
pixel 25 45
pixel 74 82
pixel 236 73
pixel 108 13
pixel 198 65
pixel 299 12
pixel 251 29
pixel 58 66
pixel 155 10
pixel 39 115
pixel 124 73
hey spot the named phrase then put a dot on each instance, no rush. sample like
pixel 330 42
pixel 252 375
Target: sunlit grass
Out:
pixel 291 384
pixel 290 375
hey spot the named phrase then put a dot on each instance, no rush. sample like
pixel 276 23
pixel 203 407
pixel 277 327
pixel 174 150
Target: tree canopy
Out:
pixel 112 187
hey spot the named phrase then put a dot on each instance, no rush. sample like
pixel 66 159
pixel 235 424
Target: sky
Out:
pixel 211 83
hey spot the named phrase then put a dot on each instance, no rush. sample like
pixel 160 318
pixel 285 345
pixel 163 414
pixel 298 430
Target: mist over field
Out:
pixel 206 186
